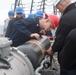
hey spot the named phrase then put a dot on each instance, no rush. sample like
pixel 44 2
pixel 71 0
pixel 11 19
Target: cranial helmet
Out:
pixel 11 12
pixel 54 19
pixel 19 10
pixel 39 13
pixel 31 15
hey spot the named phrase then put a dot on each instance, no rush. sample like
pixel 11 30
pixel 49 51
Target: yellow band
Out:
pixel 42 50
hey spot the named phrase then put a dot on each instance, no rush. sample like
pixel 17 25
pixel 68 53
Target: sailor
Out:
pixel 19 16
pixel 10 17
pixel 31 15
pixel 62 45
pixel 68 55
pixel 11 14
pixel 29 28
pixel 40 15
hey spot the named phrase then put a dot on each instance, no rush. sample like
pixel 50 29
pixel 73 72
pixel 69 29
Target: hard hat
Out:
pixel 55 2
pixel 54 19
pixel 11 12
pixel 31 15
pixel 19 10
pixel 39 13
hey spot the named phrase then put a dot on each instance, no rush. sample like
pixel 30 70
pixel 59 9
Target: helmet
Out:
pixel 19 10
pixel 55 2
pixel 54 19
pixel 11 12
pixel 39 13
pixel 31 15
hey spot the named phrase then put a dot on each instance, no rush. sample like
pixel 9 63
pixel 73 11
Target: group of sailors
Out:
pixel 11 16
pixel 21 29
pixel 8 23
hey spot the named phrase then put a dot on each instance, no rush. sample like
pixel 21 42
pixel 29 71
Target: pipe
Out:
pixel 35 49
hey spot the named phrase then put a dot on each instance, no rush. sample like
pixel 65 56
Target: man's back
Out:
pixel 68 54
pixel 23 29
pixel 10 27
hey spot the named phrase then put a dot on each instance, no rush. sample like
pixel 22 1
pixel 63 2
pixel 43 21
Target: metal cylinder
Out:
pixel 13 61
pixel 19 64
pixel 35 49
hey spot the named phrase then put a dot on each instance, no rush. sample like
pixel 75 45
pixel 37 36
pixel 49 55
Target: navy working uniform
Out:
pixel 67 23
pixel 10 27
pixel 23 29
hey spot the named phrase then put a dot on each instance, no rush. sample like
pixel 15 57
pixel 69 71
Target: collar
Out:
pixel 70 7
pixel 37 22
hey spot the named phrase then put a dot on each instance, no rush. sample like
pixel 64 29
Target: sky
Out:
pixel 5 6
